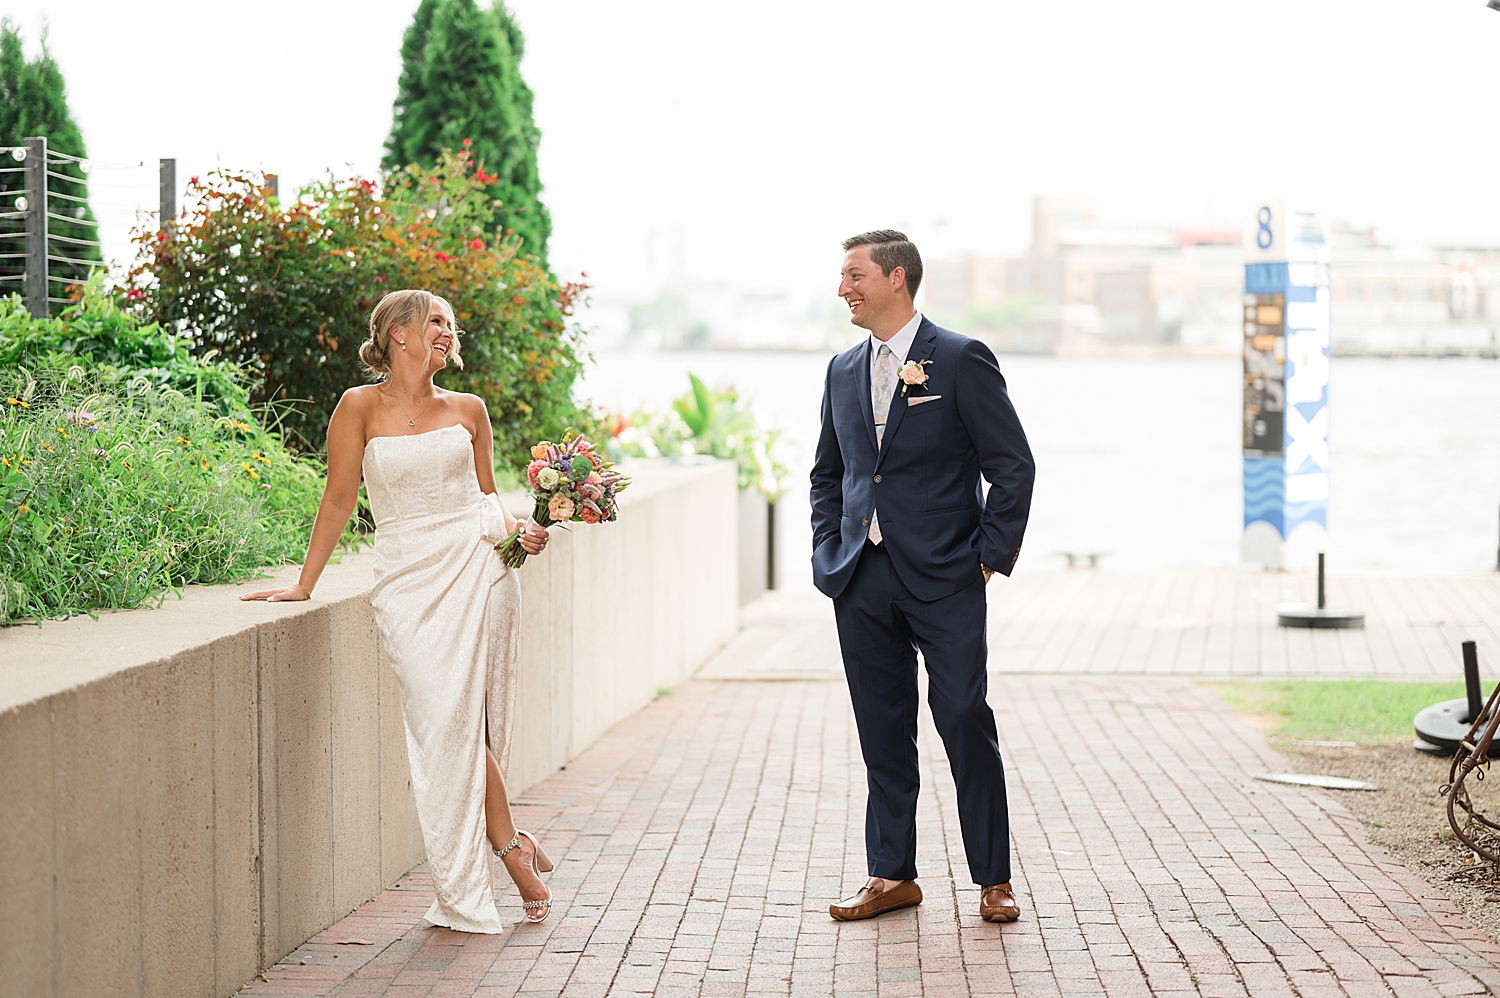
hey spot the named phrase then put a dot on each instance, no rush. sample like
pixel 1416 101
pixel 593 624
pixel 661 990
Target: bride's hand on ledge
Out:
pixel 534 537
pixel 293 593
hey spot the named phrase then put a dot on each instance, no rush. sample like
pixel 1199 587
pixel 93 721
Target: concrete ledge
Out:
pixel 191 792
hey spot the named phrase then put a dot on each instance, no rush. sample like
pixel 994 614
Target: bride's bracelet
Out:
pixel 305 591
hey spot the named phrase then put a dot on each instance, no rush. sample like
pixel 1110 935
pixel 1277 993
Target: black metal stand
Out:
pixel 1302 615
pixel 1442 726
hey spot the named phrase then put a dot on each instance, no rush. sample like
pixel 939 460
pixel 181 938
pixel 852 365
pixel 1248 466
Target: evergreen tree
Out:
pixel 409 89
pixel 33 101
pixel 466 85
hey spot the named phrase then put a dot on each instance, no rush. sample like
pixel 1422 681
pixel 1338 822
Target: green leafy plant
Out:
pixel 130 467
pixel 285 291
pixel 113 493
pixel 704 421
pixel 696 408
pixel 95 331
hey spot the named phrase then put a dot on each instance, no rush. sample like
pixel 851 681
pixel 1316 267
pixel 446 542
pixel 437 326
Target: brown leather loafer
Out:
pixel 869 902
pixel 998 904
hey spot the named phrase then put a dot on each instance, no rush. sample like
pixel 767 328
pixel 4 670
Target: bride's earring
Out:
pixel 403 344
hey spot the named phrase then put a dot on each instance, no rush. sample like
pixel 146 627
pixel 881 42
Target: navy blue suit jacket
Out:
pixel 935 520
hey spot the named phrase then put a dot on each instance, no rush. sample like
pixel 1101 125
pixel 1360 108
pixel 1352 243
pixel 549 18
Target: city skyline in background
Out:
pixel 707 183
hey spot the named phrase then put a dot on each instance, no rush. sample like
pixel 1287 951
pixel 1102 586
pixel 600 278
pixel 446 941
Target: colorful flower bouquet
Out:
pixel 570 481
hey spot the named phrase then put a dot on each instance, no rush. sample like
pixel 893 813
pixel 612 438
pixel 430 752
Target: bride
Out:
pixel 446 607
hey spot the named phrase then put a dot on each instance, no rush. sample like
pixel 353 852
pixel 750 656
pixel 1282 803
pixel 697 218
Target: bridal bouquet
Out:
pixel 569 481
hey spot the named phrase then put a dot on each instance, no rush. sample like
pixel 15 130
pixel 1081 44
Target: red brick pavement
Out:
pixel 700 842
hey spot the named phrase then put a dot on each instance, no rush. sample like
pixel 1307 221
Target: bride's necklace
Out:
pixel 410 421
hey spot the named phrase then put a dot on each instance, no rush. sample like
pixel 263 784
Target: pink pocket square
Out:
pixel 924 398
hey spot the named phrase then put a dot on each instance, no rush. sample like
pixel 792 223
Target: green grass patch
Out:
pixel 1346 710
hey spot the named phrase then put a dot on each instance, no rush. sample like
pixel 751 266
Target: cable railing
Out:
pixel 48 242
pixel 52 190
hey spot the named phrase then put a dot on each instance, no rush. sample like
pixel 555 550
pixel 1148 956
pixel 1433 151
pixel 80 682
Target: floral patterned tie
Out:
pixel 882 387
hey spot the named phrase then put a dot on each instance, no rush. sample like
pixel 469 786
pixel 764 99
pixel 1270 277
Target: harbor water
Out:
pixel 1139 460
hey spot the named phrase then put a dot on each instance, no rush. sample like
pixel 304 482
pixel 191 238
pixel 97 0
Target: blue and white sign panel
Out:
pixel 1287 351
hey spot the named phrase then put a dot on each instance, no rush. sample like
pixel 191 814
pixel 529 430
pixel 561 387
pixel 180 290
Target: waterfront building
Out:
pixel 1088 289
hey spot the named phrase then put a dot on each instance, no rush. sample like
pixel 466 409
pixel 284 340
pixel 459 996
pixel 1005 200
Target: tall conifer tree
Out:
pixel 33 101
pixel 410 88
pixel 466 84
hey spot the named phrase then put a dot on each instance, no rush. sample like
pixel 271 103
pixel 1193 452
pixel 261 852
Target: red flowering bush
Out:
pixel 285 289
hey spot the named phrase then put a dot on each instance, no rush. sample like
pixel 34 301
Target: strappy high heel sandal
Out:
pixel 540 864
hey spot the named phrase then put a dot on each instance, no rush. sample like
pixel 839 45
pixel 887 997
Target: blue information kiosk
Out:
pixel 1287 349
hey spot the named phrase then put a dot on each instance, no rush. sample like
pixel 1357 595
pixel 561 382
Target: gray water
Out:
pixel 1140 459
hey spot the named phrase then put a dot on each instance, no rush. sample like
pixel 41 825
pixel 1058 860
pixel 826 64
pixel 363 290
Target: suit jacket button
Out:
pixel 877 479
pixel 865 522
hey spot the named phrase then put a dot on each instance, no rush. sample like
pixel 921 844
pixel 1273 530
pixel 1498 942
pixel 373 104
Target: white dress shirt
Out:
pixel 900 345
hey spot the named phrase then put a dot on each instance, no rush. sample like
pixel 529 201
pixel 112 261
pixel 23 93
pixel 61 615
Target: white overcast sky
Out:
pixel 742 141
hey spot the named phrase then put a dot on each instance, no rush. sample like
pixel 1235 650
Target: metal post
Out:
pixel 167 193
pixel 1322 599
pixel 771 544
pixel 36 227
pixel 1471 681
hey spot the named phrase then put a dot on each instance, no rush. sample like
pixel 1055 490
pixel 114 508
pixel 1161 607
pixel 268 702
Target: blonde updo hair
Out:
pixel 408 308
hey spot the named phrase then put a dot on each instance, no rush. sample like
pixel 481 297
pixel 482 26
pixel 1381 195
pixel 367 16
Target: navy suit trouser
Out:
pixel 882 626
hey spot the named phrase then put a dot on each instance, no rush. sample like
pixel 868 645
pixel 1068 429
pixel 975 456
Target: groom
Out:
pixel 904 541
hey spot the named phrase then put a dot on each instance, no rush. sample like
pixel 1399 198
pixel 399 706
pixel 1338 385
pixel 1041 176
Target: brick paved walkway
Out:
pixel 699 844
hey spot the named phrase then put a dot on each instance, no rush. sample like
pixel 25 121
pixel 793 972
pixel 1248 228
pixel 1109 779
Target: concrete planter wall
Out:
pixel 754 525
pixel 189 793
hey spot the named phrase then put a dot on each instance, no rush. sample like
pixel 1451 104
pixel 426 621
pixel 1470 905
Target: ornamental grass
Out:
pixel 115 492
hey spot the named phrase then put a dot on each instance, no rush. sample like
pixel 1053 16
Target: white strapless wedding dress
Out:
pixel 448 613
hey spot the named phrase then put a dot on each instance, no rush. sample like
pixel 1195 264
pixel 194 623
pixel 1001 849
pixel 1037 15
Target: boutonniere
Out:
pixel 912 375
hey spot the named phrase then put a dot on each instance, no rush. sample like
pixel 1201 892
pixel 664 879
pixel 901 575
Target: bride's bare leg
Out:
pixel 501 828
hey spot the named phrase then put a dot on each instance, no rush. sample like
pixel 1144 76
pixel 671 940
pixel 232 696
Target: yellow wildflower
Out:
pixel 249 469
pixel 23 405
pixel 126 464
pixel 6 462
pixel 25 508
pixel 203 463
pixel 185 441
pixel 261 457
pixel 48 448
pixel 63 432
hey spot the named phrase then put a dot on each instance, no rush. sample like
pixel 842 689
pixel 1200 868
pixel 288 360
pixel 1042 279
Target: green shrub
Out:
pixel 709 421
pixel 285 290
pixel 113 492
pixel 129 466
pixel 95 332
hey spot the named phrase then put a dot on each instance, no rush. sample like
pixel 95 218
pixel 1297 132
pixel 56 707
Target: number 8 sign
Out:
pixel 1265 236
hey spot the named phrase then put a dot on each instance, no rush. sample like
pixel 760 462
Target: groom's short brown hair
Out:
pixel 891 249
